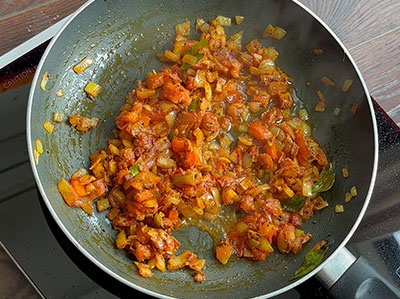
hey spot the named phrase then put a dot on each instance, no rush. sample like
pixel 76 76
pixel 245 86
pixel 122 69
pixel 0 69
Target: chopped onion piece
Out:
pixel 165 162
pixel 170 119
pixel 224 21
pixel 60 93
pixel 171 56
pixel 243 128
pixel 287 190
pixel 279 33
pixel 307 187
pixel 321 97
pixel 83 124
pixel 267 66
pixel 353 191
pixel 318 52
pixel 180 180
pixel 245 141
pixel 254 107
pixel 306 129
pixel 303 114
pixel 125 107
pixel 235 42
pixel 239 19
pixel 199 22
pixel 253 46
pixel 327 81
pixel 183 28
pixel 345 173
pixel 83 65
pixel 144 270
pixel 58 117
pixel 45 79
pixel 339 209
pixel 346 85
pixel 39 146
pixel 162 57
pixel 274 32
pixel 272 53
pixel 320 107
pixel 48 126
pixel 347 197
pixel 92 89
pixel 320 203
pixel 202 25
pixel 255 71
pixel 269 31
pixel 286 113
pixel 336 112
pixel 205 28
pixel 190 59
pixel 208 91
pixel 79 173
pixel 103 204
pixel 36 156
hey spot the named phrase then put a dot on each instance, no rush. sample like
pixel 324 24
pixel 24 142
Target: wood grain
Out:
pixel 20 27
pixel 357 21
pixel 379 63
pixel 371 32
pixel 10 8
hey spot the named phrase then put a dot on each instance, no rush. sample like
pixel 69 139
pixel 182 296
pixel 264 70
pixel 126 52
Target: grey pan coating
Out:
pixel 125 52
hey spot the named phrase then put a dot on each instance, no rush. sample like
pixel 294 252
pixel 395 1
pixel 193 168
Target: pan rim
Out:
pixel 155 294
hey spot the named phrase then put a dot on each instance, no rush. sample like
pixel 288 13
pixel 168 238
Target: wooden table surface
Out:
pixel 370 29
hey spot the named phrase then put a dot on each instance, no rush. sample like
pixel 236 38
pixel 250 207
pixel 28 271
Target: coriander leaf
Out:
pixel 326 179
pixel 293 204
pixel 312 259
pixel 134 170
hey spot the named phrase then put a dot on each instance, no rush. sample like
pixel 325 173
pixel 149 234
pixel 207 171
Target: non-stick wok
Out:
pixel 124 38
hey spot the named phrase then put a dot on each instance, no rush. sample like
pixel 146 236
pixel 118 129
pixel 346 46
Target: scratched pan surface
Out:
pixel 124 37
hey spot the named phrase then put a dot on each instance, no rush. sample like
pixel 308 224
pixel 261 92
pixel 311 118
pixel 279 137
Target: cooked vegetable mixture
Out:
pixel 218 127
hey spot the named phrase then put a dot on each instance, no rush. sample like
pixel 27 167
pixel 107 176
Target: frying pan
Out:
pixel 124 38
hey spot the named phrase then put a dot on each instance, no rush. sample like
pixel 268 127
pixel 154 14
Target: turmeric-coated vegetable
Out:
pixel 215 136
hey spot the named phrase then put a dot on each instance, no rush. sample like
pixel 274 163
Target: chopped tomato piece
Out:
pixel 223 253
pixel 100 189
pixel 260 132
pixel 155 81
pixel 304 148
pixel 176 93
pixel 78 187
pixel 321 157
pixel 68 192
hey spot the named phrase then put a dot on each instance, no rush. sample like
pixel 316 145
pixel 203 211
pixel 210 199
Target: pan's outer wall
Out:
pixel 124 37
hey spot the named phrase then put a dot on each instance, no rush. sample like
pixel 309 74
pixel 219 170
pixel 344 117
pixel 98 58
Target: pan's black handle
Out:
pixel 348 277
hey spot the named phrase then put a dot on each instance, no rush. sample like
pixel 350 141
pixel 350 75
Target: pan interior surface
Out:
pixel 124 38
